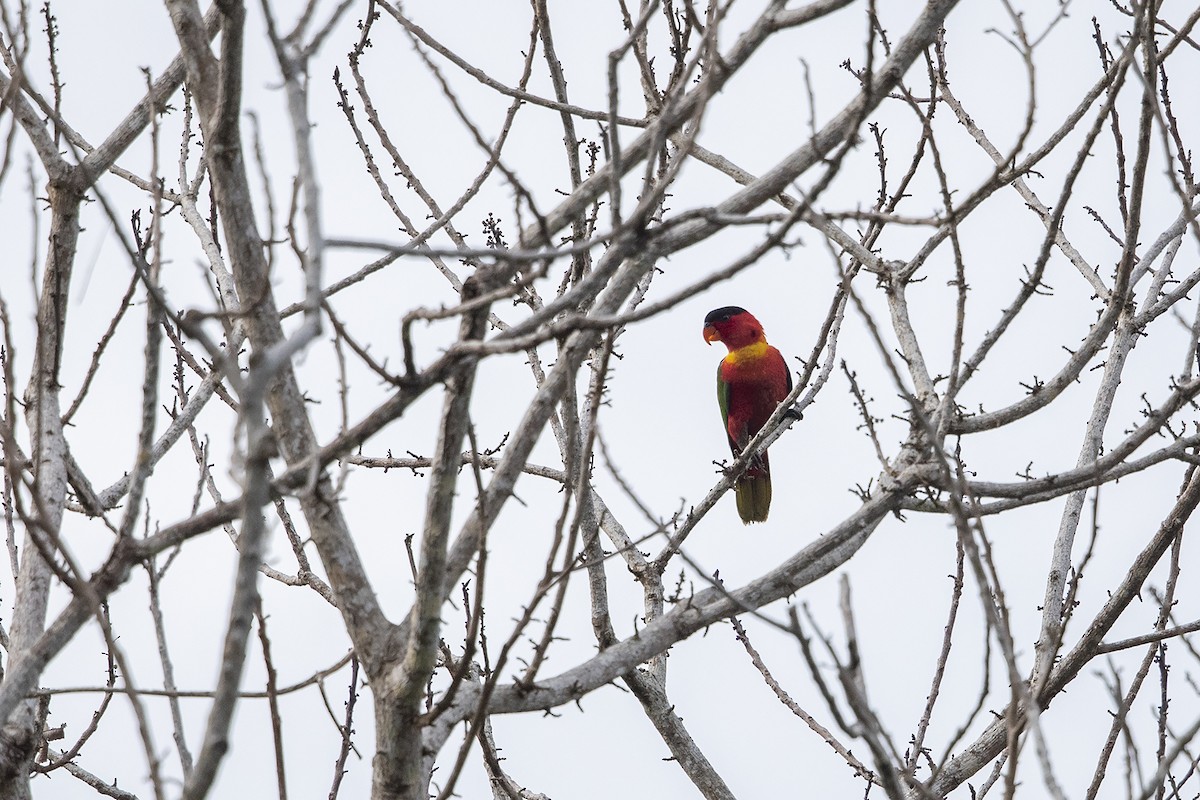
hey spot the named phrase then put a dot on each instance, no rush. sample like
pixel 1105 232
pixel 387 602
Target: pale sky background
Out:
pixel 662 427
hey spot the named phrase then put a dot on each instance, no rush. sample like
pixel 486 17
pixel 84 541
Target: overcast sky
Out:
pixel 661 428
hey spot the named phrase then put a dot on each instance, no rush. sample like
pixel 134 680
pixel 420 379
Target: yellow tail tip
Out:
pixel 753 498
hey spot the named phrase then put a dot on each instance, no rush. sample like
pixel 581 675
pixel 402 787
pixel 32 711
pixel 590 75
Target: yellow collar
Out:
pixel 750 352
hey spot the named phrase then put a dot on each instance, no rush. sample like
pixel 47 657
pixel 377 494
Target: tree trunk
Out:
pixel 43 512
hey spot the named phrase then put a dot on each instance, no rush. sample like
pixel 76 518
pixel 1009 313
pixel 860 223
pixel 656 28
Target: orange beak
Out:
pixel 711 334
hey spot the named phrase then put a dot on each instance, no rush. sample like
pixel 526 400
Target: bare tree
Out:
pixel 982 252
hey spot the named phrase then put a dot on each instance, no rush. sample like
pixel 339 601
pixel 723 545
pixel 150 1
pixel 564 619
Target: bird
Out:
pixel 752 380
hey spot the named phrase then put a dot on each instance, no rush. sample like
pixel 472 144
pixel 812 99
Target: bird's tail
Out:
pixel 753 492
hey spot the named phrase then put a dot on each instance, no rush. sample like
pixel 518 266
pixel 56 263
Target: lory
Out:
pixel 752 380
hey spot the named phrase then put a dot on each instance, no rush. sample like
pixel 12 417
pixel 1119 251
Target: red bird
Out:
pixel 752 380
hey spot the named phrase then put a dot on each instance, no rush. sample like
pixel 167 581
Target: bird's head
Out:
pixel 734 326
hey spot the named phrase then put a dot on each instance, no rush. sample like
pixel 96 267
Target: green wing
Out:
pixel 723 401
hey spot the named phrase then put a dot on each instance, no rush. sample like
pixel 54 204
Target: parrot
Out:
pixel 752 380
